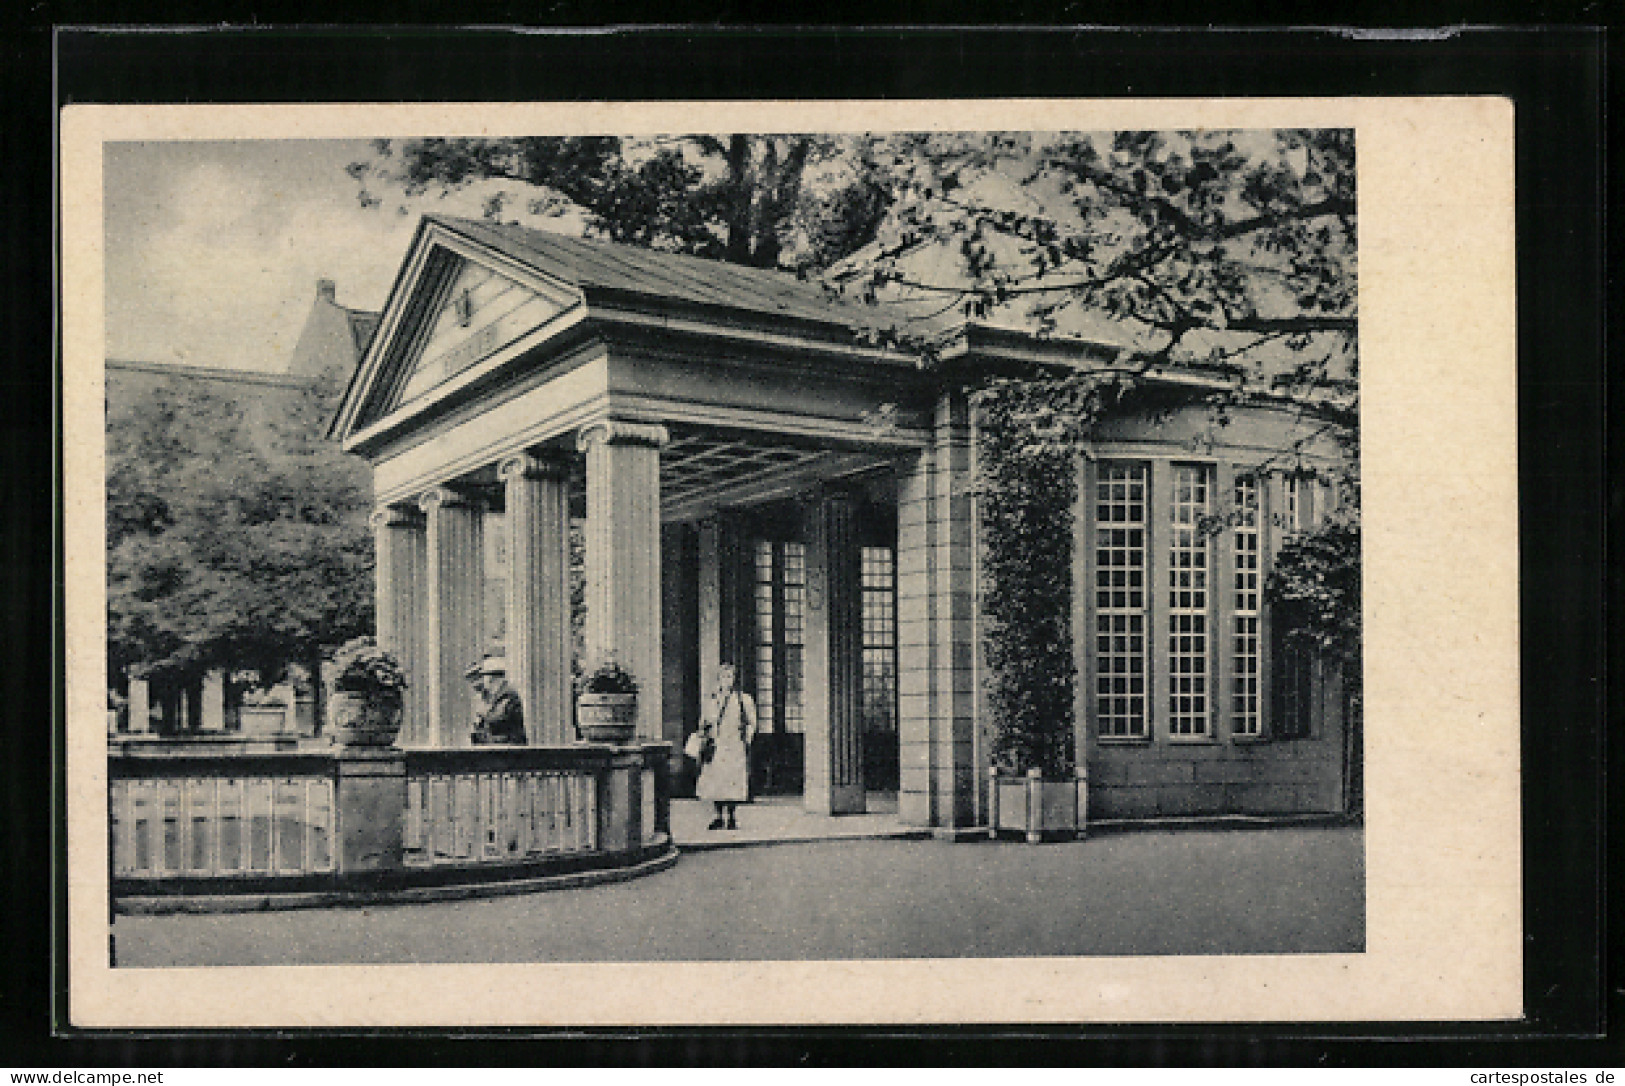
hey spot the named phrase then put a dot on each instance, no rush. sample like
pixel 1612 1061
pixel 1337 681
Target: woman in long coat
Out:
pixel 731 721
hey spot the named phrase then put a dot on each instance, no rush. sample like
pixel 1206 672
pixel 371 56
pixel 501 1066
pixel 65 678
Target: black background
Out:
pixel 1556 78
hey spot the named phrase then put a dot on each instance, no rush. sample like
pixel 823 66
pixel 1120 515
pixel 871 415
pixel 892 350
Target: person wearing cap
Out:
pixel 502 720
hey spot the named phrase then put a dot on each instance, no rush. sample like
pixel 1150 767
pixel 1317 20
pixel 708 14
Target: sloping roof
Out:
pixel 117 368
pixel 603 265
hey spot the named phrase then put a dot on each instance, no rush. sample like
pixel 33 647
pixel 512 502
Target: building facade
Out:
pixel 755 483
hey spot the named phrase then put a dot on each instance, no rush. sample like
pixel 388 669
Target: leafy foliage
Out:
pixel 1026 493
pixel 361 667
pixel 237 536
pixel 608 677
pixel 1314 591
pixel 740 198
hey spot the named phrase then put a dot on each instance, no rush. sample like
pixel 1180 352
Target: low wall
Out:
pixel 325 825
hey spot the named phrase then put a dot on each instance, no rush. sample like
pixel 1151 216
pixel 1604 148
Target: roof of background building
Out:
pixel 201 373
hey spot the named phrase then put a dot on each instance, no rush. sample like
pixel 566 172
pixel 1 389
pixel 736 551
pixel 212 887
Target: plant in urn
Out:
pixel 607 704
pixel 368 686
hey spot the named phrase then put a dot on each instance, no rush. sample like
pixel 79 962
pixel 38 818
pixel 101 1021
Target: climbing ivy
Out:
pixel 1027 436
pixel 1314 590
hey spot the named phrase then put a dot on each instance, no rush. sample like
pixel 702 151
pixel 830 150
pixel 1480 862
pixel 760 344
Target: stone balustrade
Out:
pixel 204 826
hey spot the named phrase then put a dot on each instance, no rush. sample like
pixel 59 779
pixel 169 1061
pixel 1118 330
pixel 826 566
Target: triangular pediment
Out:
pixel 481 311
pixel 454 309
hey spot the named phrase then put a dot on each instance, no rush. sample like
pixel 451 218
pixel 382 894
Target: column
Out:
pixel 401 551
pixel 212 711
pixel 538 526
pixel 833 676
pixel 140 721
pixel 452 597
pixel 623 556
pixel 936 681
pixel 726 620
pixel 679 627
pixel 710 593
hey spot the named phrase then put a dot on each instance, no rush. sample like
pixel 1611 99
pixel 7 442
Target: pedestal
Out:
pixel 371 800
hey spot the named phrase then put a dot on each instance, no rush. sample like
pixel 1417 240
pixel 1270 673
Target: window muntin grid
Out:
pixel 1244 645
pixel 763 590
pixel 1188 690
pixel 879 639
pixel 793 577
pixel 1120 601
pixel 1292 503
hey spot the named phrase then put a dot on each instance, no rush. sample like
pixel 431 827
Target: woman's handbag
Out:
pixel 700 747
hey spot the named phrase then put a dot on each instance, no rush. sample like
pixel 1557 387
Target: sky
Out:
pixel 214 248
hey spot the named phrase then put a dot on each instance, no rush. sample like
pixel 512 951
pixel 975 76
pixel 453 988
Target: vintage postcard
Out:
pixel 754 563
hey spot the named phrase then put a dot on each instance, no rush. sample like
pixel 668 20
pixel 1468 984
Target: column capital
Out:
pixel 396 516
pixel 619 432
pixel 444 497
pixel 532 466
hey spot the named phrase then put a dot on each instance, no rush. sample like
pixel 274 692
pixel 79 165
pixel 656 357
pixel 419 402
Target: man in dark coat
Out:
pixel 502 719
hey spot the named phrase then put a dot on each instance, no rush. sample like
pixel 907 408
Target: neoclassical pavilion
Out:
pixel 758 484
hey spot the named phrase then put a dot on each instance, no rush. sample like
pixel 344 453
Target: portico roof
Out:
pixel 605 270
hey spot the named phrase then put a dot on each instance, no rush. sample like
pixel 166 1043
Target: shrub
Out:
pixel 361 667
pixel 608 678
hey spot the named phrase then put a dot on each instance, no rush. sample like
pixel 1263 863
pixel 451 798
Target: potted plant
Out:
pixel 368 687
pixel 607 703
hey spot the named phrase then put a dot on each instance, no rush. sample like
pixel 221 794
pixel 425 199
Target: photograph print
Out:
pixel 733 547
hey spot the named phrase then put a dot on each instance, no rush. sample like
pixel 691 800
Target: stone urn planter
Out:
pixel 607 704
pixel 363 720
pixel 607 718
pixel 1038 809
pixel 368 685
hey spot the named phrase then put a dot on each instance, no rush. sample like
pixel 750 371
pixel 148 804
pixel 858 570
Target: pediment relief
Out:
pixel 461 312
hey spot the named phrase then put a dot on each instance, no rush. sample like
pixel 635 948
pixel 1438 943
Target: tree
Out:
pixel 233 540
pixel 1190 239
pixel 1228 251
pixel 741 198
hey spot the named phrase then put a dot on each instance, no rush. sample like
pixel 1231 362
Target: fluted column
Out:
pixel 623 556
pixel 453 590
pixel 724 603
pixel 401 606
pixel 538 525
pixel 831 695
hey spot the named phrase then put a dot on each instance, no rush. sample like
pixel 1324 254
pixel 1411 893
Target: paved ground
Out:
pixel 784 819
pixel 1274 890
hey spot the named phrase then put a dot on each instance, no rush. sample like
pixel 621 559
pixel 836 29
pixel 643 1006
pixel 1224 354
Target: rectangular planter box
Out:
pixel 263 720
pixel 1038 809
